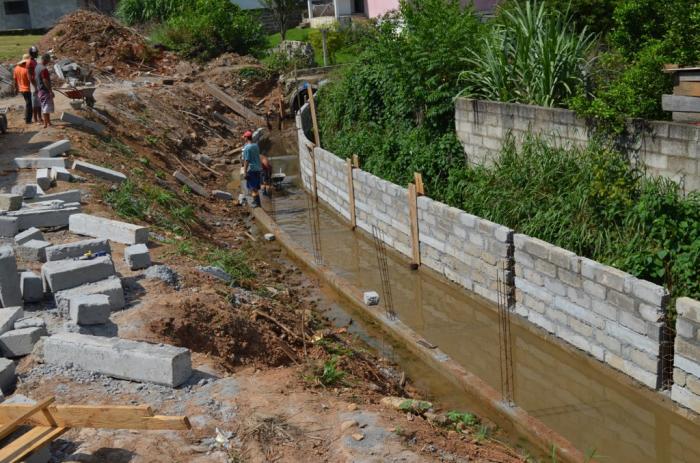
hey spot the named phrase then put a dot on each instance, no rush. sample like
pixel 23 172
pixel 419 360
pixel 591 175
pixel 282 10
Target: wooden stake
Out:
pixel 413 217
pixel 355 161
pixel 312 106
pixel 351 194
pixel 418 178
pixel 314 184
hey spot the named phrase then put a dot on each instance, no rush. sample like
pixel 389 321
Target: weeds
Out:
pixel 329 374
pixel 482 433
pixel 115 145
pixel 233 262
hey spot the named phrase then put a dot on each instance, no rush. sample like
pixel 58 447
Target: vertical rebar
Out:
pixel 312 210
pixel 504 335
pixel 383 272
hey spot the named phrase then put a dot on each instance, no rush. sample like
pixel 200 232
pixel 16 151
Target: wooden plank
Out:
pixel 686 117
pixel 413 217
pixel 312 106
pixel 418 179
pixel 234 104
pixel 355 161
pixel 351 194
pixel 96 416
pixel 683 104
pixel 10 426
pixel 314 184
pixel 687 89
pixel 688 75
pixel 29 442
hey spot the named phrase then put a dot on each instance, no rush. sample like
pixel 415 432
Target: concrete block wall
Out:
pixel 668 149
pixel 465 248
pixel 686 365
pixel 608 313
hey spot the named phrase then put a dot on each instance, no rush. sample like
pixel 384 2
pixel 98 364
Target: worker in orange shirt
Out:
pixel 22 85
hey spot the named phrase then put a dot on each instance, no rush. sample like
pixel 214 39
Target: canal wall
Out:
pixel 616 318
pixel 668 149
pixel 686 371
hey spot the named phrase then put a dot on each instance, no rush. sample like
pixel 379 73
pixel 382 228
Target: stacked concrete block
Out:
pixel 44 217
pixel 43 178
pixel 28 235
pixel 93 309
pixel 7 375
pixel 686 362
pixel 66 274
pixel 467 249
pixel 31 286
pixel 17 343
pixel 77 249
pixel 110 287
pixel 99 171
pixel 8 226
pixel 10 202
pixel 137 256
pixel 100 227
pixel 32 250
pixel 120 358
pixel 10 294
pixel 55 149
pixel 608 313
pixel 8 317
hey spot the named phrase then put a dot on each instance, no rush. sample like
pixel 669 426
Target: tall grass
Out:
pixel 143 11
pixel 532 54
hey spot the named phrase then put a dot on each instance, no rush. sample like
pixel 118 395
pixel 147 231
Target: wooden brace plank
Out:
pixel 11 425
pixel 413 217
pixel 351 194
pixel 418 179
pixel 312 106
pixel 234 104
pixel 355 161
pixel 687 89
pixel 314 183
pixel 29 442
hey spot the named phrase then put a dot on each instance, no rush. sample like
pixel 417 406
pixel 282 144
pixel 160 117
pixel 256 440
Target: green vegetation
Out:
pixel 233 262
pixel 12 47
pixel 297 33
pixel 329 374
pixel 143 11
pixel 394 107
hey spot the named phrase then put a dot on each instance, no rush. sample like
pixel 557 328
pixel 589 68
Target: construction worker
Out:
pixel 43 83
pixel 266 174
pixel 22 85
pixel 31 67
pixel 252 167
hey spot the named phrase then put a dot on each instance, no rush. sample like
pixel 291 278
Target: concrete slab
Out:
pixel 55 149
pixel 43 179
pixel 17 343
pixel 39 163
pixel 81 122
pixel 100 227
pixel 191 184
pixel 60 174
pixel 8 317
pixel 110 287
pixel 44 218
pixel 10 202
pixel 120 358
pixel 31 286
pixel 7 375
pixel 99 171
pixel 8 226
pixel 27 190
pixel 69 196
pixel 66 274
pixel 28 235
pixel 32 251
pixel 93 309
pixel 137 256
pixel 77 249
pixel 10 294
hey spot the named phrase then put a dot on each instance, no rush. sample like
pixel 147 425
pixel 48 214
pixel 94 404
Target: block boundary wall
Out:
pixel 668 149
pixel 686 368
pixel 611 315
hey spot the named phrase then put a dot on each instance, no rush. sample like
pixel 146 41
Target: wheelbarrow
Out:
pixel 3 120
pixel 78 96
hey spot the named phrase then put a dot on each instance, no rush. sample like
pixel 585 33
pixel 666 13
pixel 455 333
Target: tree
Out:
pixel 283 11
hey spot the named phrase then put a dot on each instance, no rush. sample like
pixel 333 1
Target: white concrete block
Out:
pixel 8 317
pixel 7 375
pixel 110 287
pixel 225 195
pixel 100 227
pixel 17 343
pixel 43 178
pixel 8 226
pixel 371 298
pixel 99 171
pixel 77 249
pixel 66 274
pixel 93 309
pixel 26 191
pixel 10 202
pixel 55 149
pixel 60 174
pixel 39 163
pixel 43 218
pixel 137 256
pixel 68 196
pixel 31 286
pixel 120 358
pixel 32 251
pixel 28 235
pixel 10 294
pixel 81 122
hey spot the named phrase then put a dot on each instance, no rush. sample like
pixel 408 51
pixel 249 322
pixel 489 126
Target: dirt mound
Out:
pixel 98 40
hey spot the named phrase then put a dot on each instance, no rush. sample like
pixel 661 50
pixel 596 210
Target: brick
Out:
pixel 685 329
pixel 28 235
pixel 535 247
pixel 564 305
pixel 17 343
pixel 611 277
pixel 546 268
pixel 100 227
pixel 55 149
pixel 646 291
pixel 10 202
pixel 688 308
pixel 99 171
pixel 594 289
pixel 632 322
pixel 621 301
pixel 561 257
pixel 33 251
pixel 604 309
pixel 31 286
pixel 629 337
pixel 686 398
pixel 569 278
pixel 78 249
pixel 555 286
pixel 65 274
pixel 679 376
pixel 120 358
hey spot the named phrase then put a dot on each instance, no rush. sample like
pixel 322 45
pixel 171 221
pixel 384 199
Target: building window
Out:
pixel 17 7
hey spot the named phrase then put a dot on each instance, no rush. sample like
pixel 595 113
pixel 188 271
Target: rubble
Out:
pixel 60 174
pixel 27 191
pixel 163 273
pixel 41 217
pixel 68 196
pixel 191 184
pixel 216 272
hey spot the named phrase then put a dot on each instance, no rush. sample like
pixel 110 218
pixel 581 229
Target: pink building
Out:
pixel 376 8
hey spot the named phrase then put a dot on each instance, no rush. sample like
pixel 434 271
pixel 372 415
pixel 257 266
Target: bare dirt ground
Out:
pixel 274 380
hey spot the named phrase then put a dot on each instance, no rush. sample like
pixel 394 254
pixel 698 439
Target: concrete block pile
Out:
pixel 608 313
pixel 686 363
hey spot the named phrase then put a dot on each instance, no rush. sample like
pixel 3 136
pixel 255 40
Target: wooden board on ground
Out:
pixel 235 105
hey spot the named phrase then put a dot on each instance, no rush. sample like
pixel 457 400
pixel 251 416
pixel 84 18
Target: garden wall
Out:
pixel 686 371
pixel 669 149
pixel 603 311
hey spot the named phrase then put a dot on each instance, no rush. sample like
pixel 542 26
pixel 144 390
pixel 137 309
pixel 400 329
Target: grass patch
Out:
pixel 299 34
pixel 12 47
pixel 342 56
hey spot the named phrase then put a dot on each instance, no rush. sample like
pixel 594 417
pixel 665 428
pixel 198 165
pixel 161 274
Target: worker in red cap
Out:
pixel 252 167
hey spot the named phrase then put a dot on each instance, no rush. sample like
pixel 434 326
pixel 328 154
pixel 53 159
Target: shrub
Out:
pixel 142 11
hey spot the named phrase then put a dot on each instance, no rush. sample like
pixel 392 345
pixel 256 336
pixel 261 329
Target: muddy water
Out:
pixel 594 410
